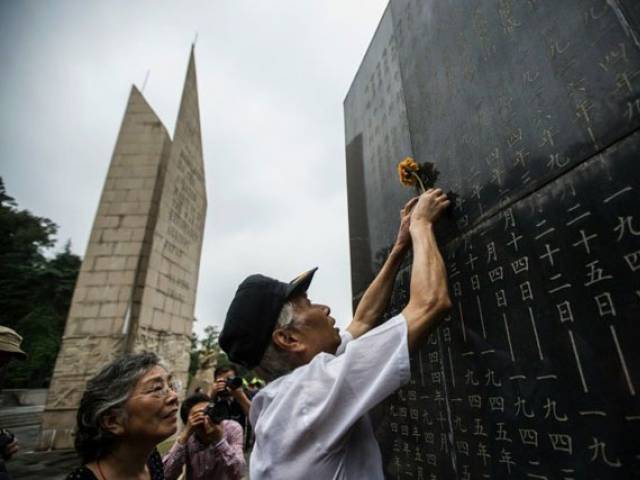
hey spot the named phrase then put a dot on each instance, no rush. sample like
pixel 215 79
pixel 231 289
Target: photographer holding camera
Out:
pixel 9 350
pixel 210 445
pixel 227 389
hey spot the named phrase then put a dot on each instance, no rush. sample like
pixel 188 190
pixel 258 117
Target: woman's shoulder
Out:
pixel 81 473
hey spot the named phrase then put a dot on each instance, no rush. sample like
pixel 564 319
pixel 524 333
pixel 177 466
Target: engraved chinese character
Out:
pixel 599 450
pixel 509 219
pixel 479 428
pixel 496 274
pixel 514 241
pixel 549 253
pixel 490 379
pixel 505 457
pixel 595 274
pixel 550 410
pixel 496 403
pixel 565 312
pixel 462 447
pixel 605 304
pixel 457 289
pixel 633 260
pixel 472 260
pixel 525 290
pixel 469 378
pixel 457 424
pixel 491 252
pixel 482 453
pixel 624 224
pixel 584 241
pixel 501 433
pixel 501 298
pixel 529 436
pixel 561 442
pixel 521 405
pixel 520 265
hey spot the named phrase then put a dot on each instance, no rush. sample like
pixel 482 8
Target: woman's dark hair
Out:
pixel 106 393
pixel 189 402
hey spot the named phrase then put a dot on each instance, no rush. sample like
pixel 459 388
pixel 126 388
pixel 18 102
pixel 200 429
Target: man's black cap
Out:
pixel 253 314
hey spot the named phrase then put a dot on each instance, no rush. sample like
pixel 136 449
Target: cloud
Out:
pixel 271 77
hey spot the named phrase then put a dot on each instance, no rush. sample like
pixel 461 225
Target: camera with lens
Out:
pixel 6 437
pixel 217 411
pixel 233 382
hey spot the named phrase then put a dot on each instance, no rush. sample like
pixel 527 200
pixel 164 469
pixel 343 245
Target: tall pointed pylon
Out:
pixel 168 303
pixel 109 284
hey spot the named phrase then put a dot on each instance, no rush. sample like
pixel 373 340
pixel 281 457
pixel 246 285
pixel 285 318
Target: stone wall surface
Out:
pixel 526 113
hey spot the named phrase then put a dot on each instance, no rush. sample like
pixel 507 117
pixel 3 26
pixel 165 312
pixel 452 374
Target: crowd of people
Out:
pixel 310 420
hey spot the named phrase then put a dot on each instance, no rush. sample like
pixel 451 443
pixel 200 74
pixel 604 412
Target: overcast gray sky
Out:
pixel 272 75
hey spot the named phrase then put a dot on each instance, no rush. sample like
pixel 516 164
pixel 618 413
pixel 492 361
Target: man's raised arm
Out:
pixel 376 298
pixel 429 294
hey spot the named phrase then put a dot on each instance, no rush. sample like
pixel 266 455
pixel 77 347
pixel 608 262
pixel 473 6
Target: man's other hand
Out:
pixel 218 387
pixel 429 207
pixel 403 240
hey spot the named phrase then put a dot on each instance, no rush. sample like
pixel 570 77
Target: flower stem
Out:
pixel 419 181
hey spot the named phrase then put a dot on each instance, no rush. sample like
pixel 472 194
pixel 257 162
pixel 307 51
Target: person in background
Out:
pixel 254 387
pixel 9 350
pixel 227 389
pixel 127 409
pixel 210 450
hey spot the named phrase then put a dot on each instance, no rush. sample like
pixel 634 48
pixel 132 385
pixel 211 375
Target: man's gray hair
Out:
pixel 275 361
pixel 106 393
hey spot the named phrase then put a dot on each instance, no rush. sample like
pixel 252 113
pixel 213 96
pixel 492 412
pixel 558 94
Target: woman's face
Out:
pixel 151 410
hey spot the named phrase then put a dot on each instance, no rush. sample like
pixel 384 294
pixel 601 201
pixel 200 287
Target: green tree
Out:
pixel 35 291
pixel 23 237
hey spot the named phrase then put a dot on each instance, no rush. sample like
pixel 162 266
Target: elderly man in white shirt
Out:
pixel 311 420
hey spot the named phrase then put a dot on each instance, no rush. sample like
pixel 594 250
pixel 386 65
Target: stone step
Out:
pixel 21 416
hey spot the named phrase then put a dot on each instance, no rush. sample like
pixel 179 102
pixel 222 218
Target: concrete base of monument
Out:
pixel 52 439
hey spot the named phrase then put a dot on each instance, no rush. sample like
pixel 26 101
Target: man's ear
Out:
pixel 287 340
pixel 112 422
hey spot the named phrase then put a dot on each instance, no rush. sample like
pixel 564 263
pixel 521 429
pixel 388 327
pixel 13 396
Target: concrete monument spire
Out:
pixel 137 286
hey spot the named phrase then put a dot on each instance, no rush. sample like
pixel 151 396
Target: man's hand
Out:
pixel 10 450
pixel 403 240
pixel 217 388
pixel 429 207
pixel 196 420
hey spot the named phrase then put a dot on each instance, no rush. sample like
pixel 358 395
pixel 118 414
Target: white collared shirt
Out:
pixel 312 424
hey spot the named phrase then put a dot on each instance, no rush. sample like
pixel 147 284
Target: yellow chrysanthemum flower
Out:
pixel 408 172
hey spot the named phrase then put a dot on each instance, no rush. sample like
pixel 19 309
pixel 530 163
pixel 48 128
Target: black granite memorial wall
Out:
pixel 528 112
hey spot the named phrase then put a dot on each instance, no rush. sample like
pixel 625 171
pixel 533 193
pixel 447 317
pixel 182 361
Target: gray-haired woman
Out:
pixel 126 410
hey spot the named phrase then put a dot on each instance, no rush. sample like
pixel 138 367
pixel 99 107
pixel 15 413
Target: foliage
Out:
pixel 207 345
pixel 35 291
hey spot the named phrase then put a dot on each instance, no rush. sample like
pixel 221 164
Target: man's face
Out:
pixel 316 328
